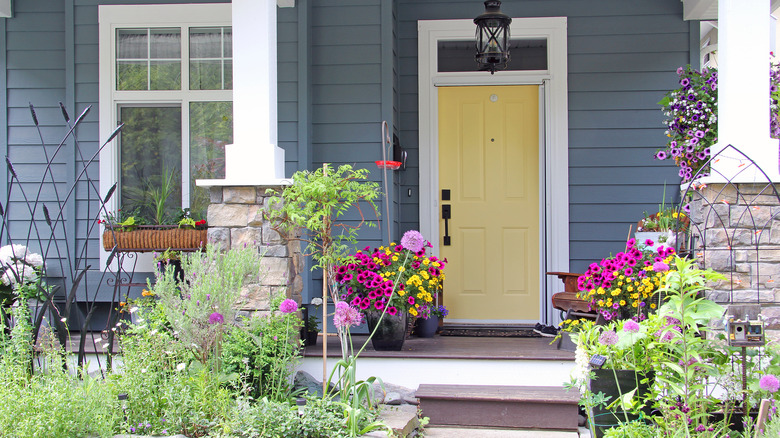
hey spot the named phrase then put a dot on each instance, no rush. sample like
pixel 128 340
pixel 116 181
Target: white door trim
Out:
pixel 554 183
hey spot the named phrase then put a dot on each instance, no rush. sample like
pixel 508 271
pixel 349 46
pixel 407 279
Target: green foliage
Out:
pixel 316 201
pixel 51 402
pixel 264 350
pixel 212 285
pixel 319 418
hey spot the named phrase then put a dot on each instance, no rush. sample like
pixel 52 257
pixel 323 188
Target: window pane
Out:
pixel 131 44
pixel 228 43
pixel 525 54
pixel 165 75
pixel 150 148
pixel 210 48
pixel 228 74
pixel 131 75
pixel 165 44
pixel 205 75
pixel 211 128
pixel 206 43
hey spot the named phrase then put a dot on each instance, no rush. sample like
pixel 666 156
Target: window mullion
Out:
pixel 148 58
pixel 185 152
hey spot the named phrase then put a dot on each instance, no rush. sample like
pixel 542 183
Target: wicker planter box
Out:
pixel 147 238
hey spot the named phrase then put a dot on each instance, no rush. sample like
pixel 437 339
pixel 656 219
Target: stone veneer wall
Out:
pixel 235 218
pixel 740 230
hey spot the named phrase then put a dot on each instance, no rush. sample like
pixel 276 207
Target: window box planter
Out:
pixel 147 238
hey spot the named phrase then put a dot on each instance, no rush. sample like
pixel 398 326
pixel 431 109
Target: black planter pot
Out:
pixel 426 328
pixel 390 331
pixel 311 338
pixel 607 381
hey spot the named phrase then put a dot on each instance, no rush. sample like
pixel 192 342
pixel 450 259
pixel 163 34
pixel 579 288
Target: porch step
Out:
pixel 526 407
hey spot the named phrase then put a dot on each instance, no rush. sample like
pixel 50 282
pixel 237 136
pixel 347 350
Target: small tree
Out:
pixel 316 201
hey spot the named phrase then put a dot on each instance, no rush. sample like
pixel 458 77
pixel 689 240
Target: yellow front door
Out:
pixel 489 169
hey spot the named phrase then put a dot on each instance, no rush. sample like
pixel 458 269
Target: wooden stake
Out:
pixel 325 310
pixel 763 413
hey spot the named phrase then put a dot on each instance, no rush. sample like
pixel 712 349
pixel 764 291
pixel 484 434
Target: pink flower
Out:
pixel 631 326
pixel 216 318
pixel 346 316
pixel 769 383
pixel 608 338
pixel 288 306
pixel 413 241
pixel 660 267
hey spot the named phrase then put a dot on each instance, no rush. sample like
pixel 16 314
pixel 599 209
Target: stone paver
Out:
pixel 442 432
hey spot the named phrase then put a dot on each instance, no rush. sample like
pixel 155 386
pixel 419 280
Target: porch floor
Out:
pixel 454 347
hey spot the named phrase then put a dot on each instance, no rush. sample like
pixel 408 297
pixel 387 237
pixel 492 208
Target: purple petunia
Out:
pixel 661 155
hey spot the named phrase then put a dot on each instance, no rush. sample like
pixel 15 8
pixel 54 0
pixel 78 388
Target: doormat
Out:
pixel 490 332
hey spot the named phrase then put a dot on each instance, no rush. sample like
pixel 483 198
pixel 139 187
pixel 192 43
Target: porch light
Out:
pixel 492 38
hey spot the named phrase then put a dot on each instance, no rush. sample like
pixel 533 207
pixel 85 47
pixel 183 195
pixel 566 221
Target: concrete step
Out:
pixel 518 407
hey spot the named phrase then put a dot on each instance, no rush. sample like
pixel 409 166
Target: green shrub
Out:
pixel 264 350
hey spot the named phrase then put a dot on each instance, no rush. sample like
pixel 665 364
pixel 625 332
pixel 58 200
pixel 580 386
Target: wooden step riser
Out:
pixel 497 413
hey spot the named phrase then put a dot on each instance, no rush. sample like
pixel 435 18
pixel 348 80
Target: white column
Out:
pixel 254 157
pixel 743 89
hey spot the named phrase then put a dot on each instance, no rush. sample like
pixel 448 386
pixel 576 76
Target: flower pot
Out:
pixel 390 331
pixel 655 236
pixel 147 238
pixel 608 381
pixel 311 338
pixel 426 328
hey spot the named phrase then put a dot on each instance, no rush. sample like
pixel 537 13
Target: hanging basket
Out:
pixel 392 165
pixel 147 238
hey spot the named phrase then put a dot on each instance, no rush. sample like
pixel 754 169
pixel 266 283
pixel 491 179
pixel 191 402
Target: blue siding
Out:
pixel 622 56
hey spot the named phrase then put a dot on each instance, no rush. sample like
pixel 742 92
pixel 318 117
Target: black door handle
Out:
pixel 446 214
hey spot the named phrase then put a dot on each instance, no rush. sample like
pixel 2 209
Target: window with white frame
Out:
pixel 166 73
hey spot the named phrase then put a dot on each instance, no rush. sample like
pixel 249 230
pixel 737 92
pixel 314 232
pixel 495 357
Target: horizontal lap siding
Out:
pixel 346 91
pixel 35 74
pixel 36 63
pixel 621 58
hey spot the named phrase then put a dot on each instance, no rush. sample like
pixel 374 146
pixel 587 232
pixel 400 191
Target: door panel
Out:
pixel 489 159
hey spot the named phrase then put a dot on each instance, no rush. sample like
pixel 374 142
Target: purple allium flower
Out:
pixel 413 241
pixel 769 383
pixel 700 428
pixel 216 318
pixel 631 326
pixel 346 316
pixel 608 338
pixel 660 267
pixel 288 306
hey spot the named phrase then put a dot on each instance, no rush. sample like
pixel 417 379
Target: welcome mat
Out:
pixel 495 332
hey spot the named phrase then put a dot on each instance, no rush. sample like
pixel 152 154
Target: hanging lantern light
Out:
pixel 492 38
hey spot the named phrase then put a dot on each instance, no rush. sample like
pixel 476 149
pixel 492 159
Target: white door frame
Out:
pixel 554 161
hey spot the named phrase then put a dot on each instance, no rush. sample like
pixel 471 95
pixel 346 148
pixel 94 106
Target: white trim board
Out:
pixel 554 180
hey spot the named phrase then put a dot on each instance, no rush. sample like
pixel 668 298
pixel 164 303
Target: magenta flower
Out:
pixel 769 383
pixel 346 316
pixel 288 306
pixel 608 338
pixel 216 318
pixel 631 326
pixel 413 241
pixel 660 267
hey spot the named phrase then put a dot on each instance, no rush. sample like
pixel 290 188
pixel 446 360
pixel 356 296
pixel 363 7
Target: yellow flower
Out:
pixel 426 262
pixel 413 311
pixel 401 292
pixel 615 292
pixel 622 302
pixel 436 264
pixel 615 273
pixel 652 305
pixel 400 268
pixel 147 293
pixel 395 258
